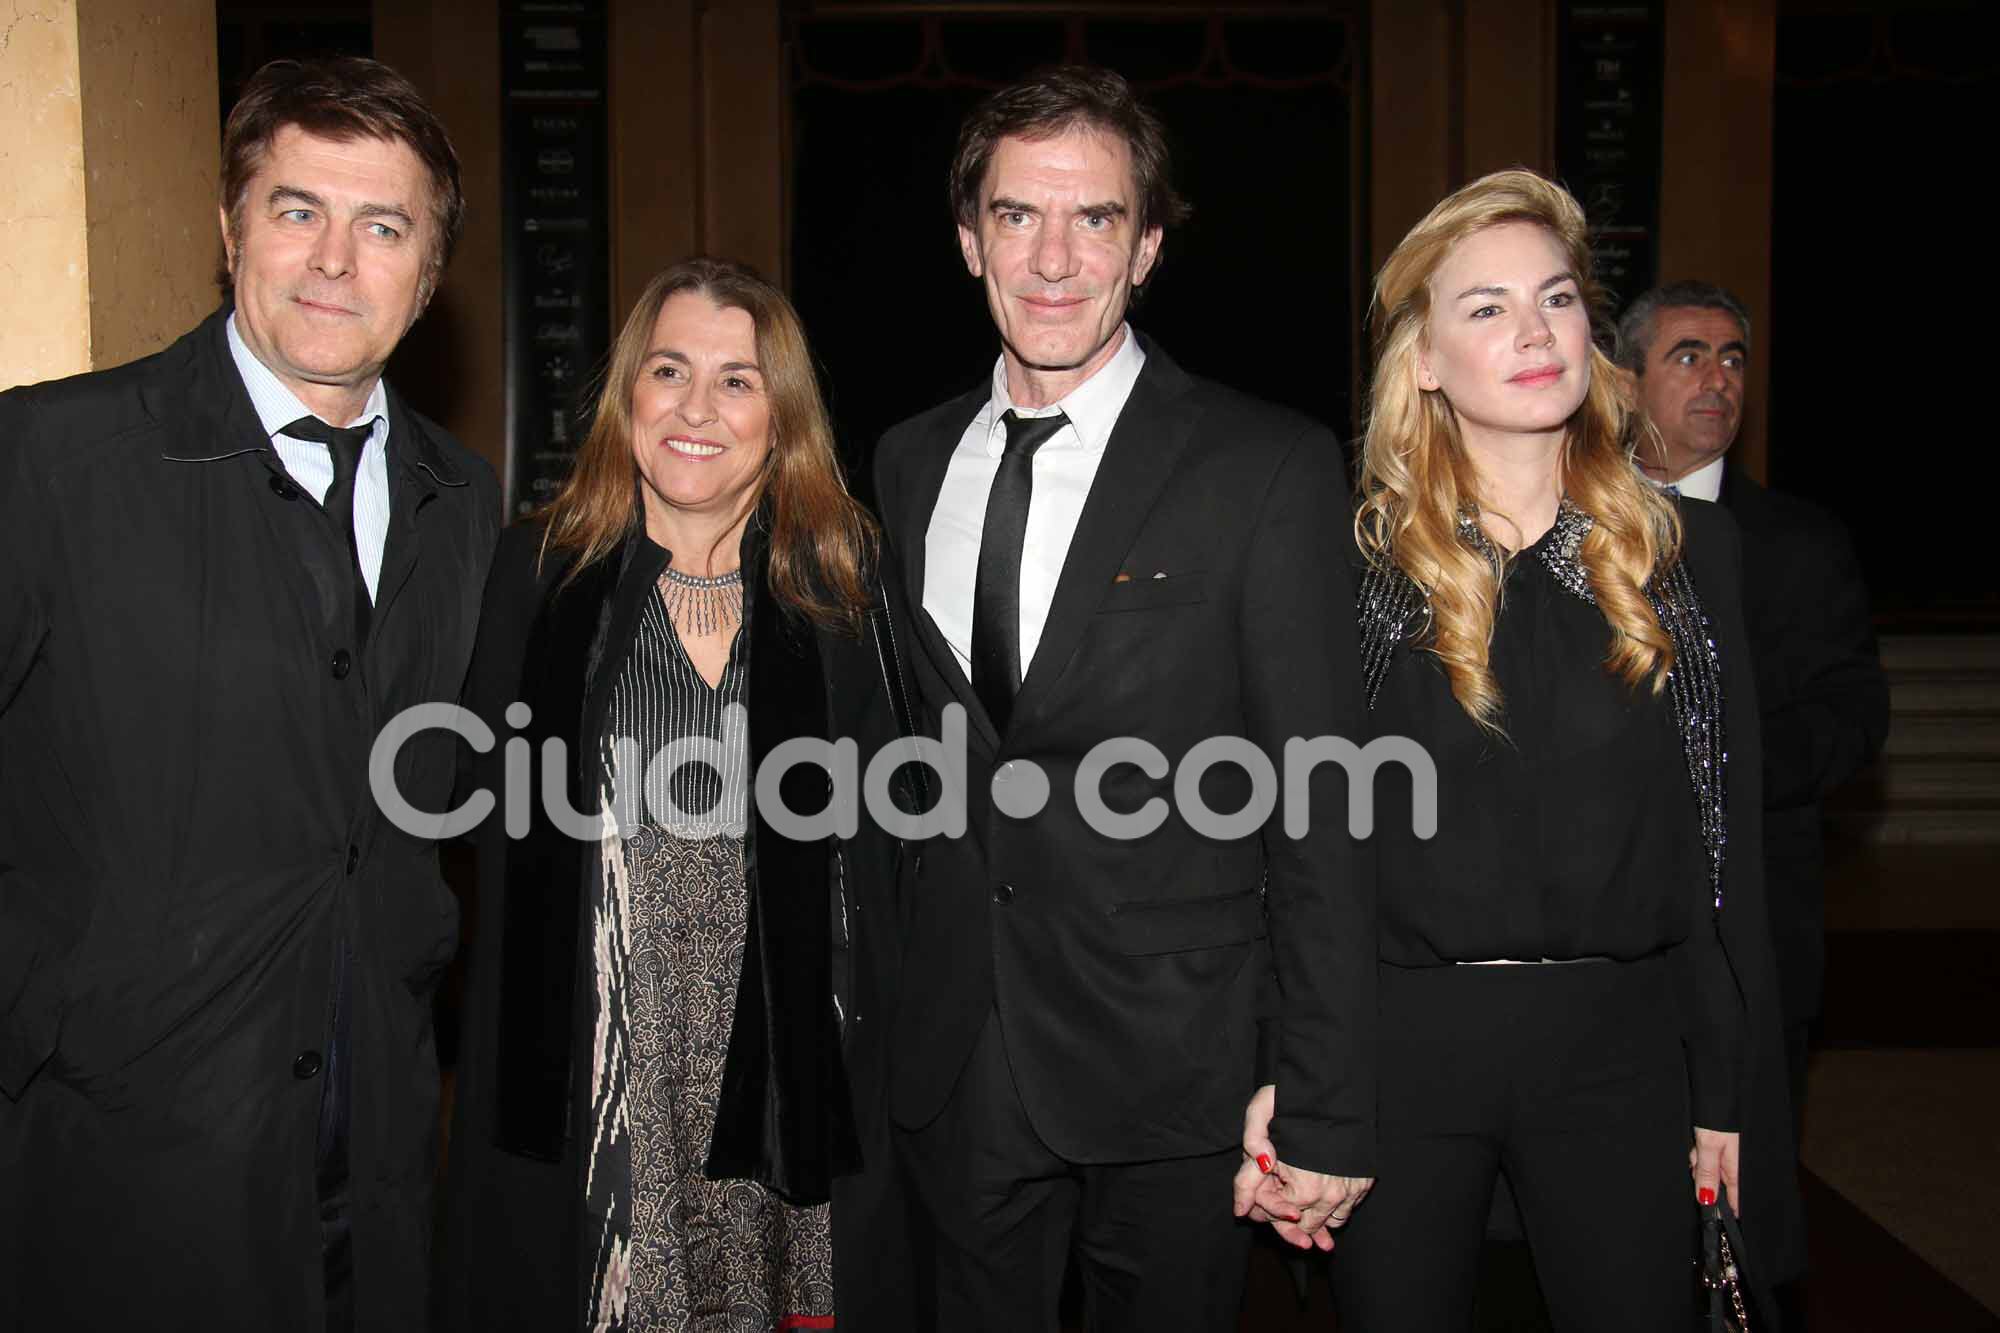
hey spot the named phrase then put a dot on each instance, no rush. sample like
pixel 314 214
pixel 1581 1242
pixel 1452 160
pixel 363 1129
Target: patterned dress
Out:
pixel 669 1249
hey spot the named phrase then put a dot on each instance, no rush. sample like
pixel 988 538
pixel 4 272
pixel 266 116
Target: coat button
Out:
pixel 1003 894
pixel 306 1066
pixel 353 857
pixel 283 489
pixel 342 664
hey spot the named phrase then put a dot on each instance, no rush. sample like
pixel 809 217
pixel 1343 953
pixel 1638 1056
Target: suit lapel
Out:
pixel 918 502
pixel 1152 432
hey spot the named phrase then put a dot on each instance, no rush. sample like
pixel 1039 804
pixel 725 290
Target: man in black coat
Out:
pixel 1112 562
pixel 225 568
pixel 1821 694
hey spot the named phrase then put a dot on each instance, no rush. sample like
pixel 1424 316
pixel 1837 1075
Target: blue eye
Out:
pixel 385 231
pixel 297 214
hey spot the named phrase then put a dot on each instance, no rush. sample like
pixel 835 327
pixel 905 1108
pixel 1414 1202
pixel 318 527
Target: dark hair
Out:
pixel 1635 326
pixel 342 98
pixel 1050 102
pixel 822 542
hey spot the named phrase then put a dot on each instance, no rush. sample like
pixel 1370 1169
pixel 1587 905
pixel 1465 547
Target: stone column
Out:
pixel 107 181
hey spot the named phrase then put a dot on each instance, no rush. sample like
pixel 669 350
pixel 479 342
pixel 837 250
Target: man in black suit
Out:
pixel 223 569
pixel 1115 561
pixel 1820 689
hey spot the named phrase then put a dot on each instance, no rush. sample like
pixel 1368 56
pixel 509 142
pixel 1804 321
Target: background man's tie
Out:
pixel 996 598
pixel 345 444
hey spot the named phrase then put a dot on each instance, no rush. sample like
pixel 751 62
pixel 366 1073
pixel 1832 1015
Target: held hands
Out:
pixel 1302 1206
pixel 1714 1159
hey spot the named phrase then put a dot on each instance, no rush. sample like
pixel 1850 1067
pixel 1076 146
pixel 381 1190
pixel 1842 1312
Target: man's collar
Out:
pixel 1705 482
pixel 277 406
pixel 1092 406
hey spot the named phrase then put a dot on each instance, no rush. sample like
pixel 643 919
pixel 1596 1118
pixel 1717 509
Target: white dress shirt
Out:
pixel 1705 482
pixel 311 463
pixel 1063 470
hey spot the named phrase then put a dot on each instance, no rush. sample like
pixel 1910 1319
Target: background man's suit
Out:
pixel 1204 594
pixel 185 828
pixel 1825 711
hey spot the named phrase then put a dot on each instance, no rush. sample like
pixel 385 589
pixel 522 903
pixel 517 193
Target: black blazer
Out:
pixel 1203 595
pixel 1825 704
pixel 802 1105
pixel 186 826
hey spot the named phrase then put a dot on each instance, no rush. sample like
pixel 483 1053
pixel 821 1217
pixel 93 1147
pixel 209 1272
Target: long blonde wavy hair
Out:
pixel 822 542
pixel 1416 478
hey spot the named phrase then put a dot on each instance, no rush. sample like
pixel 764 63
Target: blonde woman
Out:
pixel 675 1038
pixel 1575 983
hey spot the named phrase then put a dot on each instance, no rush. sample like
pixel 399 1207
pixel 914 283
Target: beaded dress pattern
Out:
pixel 672 1251
pixel 1393 609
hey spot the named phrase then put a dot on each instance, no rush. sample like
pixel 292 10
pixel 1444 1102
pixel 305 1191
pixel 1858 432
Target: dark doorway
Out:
pixel 1876 130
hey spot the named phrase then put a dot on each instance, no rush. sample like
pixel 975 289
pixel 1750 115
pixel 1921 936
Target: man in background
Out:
pixel 1820 689
pixel 222 569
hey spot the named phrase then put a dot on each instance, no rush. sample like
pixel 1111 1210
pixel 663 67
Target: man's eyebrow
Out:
pixel 1736 345
pixel 396 211
pixel 1002 204
pixel 292 194
pixel 281 194
pixel 1111 208
pixel 1690 345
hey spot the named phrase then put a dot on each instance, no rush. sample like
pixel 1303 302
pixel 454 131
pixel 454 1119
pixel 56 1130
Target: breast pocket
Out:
pixel 1174 925
pixel 1152 592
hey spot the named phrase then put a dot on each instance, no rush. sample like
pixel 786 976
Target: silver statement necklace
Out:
pixel 700 606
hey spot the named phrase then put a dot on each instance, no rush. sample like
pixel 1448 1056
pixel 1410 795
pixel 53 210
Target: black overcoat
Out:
pixel 1825 705
pixel 804 1085
pixel 186 826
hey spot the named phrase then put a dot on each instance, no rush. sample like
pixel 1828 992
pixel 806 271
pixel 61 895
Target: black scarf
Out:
pixel 784 1117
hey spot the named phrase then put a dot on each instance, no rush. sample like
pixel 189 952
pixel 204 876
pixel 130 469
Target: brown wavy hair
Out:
pixel 1416 478
pixel 823 544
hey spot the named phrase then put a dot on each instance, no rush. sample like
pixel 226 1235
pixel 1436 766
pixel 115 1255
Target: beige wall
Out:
pixel 44 259
pixel 107 180
pixel 151 147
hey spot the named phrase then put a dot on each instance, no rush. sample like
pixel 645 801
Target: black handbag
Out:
pixel 1723 1298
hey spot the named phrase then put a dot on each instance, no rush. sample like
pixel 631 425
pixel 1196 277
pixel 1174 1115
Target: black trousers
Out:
pixel 1570 1079
pixel 1156 1243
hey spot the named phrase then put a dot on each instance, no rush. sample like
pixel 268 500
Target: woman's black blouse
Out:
pixel 1575 836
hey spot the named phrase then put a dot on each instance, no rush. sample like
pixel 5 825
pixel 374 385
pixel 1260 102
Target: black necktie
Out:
pixel 996 598
pixel 345 444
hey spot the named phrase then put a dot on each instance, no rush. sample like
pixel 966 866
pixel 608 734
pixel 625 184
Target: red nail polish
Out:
pixel 1705 1195
pixel 1264 1162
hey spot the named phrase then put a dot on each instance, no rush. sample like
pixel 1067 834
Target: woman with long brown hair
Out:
pixel 669 1063
pixel 1575 981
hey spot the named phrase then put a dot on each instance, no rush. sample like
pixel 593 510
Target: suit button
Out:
pixel 283 489
pixel 353 857
pixel 920 863
pixel 342 664
pixel 1003 894
pixel 306 1066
